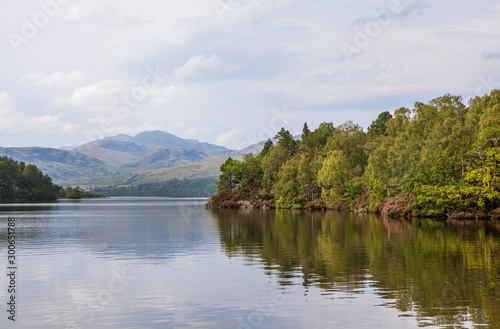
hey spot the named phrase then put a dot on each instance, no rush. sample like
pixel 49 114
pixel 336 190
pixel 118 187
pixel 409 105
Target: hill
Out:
pixel 111 157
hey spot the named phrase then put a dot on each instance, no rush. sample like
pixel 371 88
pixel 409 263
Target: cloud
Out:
pixel 199 66
pixel 57 79
pixel 162 95
pixel 491 55
pixel 13 121
pixel 101 15
pixel 98 95
pixel 190 132
pixel 228 138
pixel 103 94
pixel 287 54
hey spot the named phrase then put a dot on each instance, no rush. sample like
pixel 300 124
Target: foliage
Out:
pixel 77 193
pixel 443 153
pixel 24 183
pixel 285 139
pixel 232 174
pixel 181 188
pixel 379 126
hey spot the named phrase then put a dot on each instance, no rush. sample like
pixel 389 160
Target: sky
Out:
pixel 232 72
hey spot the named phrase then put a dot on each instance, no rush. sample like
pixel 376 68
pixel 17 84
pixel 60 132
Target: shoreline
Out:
pixel 402 205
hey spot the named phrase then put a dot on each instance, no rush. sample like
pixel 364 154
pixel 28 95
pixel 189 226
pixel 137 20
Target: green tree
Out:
pixel 350 139
pixel 307 178
pixel 20 182
pixel 287 187
pixel 73 193
pixel 231 175
pixel 286 140
pixel 305 131
pixel 334 176
pixel 379 126
pixel 271 164
pixel 266 148
pixel 318 138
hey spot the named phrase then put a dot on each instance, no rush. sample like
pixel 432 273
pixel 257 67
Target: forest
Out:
pixel 20 182
pixel 439 159
pixel 180 188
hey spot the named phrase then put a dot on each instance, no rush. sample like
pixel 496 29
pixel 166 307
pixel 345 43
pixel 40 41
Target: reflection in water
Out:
pixel 187 267
pixel 442 273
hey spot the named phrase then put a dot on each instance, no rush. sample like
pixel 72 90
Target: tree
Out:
pixel 319 137
pixel 286 140
pixel 350 139
pixel 20 182
pixel 73 193
pixel 379 126
pixel 307 178
pixel 271 164
pixel 334 175
pixel 231 175
pixel 287 187
pixel 305 131
pixel 267 146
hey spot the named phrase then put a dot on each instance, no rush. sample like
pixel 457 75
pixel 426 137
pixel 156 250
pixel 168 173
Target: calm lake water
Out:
pixel 170 263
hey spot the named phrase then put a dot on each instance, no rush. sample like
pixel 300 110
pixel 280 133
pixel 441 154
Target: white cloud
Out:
pixel 105 94
pixel 228 138
pixel 101 15
pixel 96 96
pixel 199 66
pixel 162 95
pixel 13 121
pixel 283 53
pixel 180 124
pixel 190 132
pixel 76 13
pixel 57 79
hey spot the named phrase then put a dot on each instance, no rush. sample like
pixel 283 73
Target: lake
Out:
pixel 170 263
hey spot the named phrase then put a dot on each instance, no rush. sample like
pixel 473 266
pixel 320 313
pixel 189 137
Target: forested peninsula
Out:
pixel 20 182
pixel 440 159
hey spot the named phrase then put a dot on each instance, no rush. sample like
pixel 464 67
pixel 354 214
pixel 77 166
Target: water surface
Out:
pixel 170 263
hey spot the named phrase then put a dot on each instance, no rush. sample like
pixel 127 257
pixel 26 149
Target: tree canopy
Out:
pixel 439 158
pixel 20 182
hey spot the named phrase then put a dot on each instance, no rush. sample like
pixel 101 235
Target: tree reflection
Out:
pixel 444 273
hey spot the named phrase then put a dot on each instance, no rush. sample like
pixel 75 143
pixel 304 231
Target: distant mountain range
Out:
pixel 123 156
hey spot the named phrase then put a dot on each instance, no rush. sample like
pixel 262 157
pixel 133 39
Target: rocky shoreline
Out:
pixel 402 205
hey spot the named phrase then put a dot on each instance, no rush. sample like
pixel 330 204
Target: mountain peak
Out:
pixel 119 137
pixel 159 138
pixel 153 133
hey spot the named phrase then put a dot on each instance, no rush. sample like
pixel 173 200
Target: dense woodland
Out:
pixel 180 188
pixel 437 159
pixel 20 182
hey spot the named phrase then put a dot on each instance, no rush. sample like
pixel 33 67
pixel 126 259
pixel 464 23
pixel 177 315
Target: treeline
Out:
pixel 184 188
pixel 76 193
pixel 20 182
pixel 438 159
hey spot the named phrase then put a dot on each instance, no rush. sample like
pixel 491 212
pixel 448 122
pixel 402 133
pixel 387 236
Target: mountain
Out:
pixel 158 138
pixel 163 139
pixel 116 155
pixel 165 157
pixel 254 148
pixel 61 165
pixel 193 171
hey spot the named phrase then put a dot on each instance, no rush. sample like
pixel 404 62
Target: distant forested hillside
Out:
pixel 437 159
pixel 20 182
pixel 175 188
